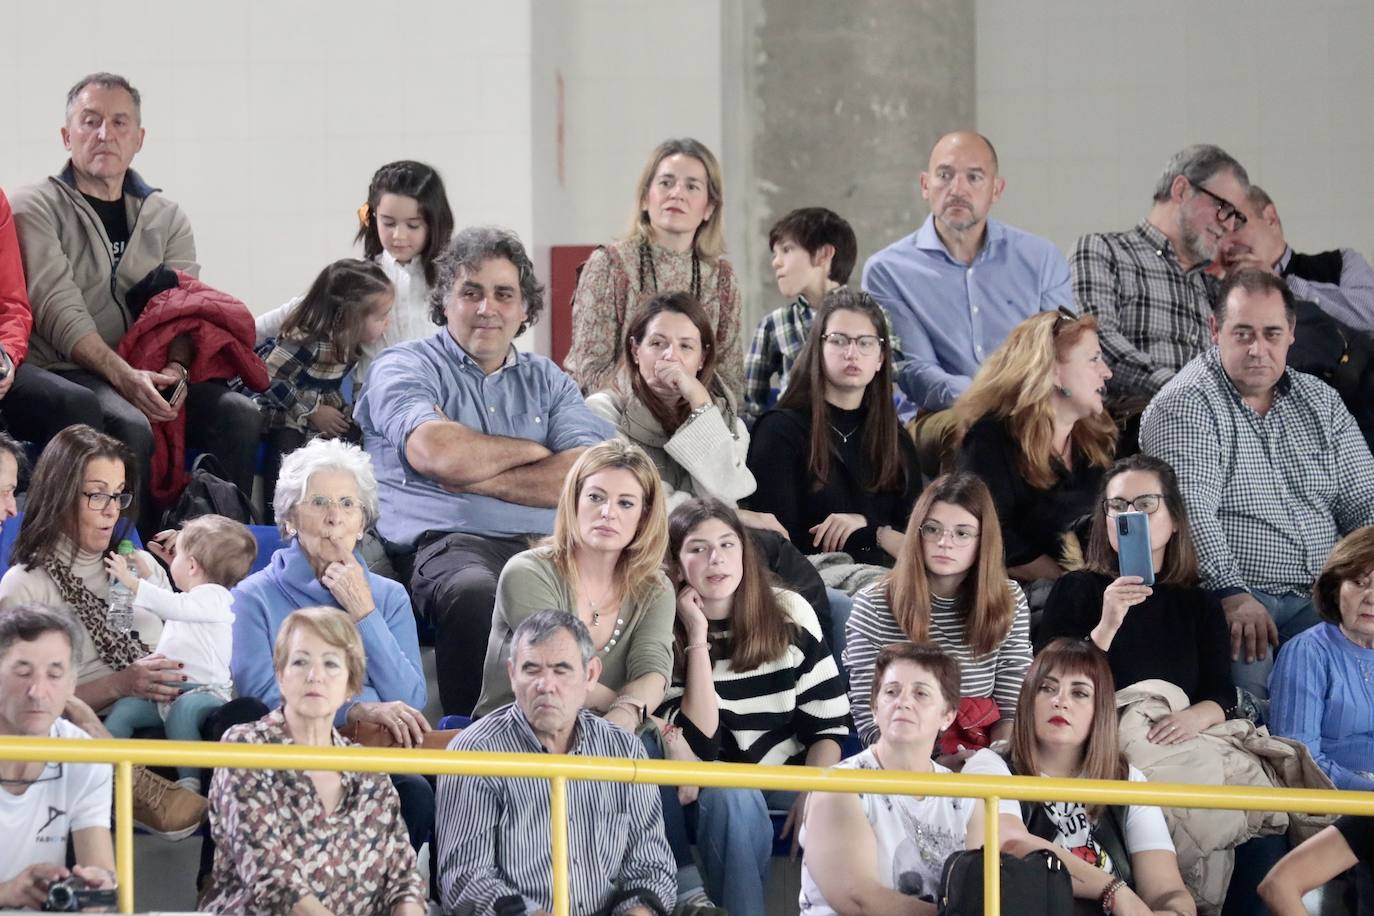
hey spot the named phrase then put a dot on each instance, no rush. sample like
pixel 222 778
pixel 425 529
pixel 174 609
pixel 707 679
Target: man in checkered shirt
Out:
pixel 1272 466
pixel 1147 286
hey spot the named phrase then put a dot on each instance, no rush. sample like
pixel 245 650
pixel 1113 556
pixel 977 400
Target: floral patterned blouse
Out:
pixel 274 844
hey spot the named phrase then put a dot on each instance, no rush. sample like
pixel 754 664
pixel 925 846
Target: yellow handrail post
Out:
pixel 558 836
pixel 124 835
pixel 992 859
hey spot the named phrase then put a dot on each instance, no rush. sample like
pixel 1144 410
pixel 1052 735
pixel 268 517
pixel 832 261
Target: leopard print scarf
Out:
pixel 118 650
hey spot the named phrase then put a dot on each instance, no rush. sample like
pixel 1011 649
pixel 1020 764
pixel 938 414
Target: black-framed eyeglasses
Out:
pixel 1226 211
pixel 98 501
pixel 1148 503
pixel 51 772
pixel 867 343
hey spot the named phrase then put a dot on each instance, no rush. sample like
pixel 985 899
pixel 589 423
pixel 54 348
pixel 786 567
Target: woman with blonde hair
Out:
pixel 950 588
pixel 1034 426
pixel 310 842
pixel 675 242
pixel 602 563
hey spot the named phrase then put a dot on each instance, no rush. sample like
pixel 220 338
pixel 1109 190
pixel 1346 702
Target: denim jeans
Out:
pixel 841 605
pixel 1292 614
pixel 735 839
pixel 188 713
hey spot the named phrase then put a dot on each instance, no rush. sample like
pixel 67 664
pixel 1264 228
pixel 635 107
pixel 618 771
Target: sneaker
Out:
pixel 164 808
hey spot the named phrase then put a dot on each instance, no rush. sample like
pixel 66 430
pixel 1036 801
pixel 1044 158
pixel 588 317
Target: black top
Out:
pixel 779 457
pixel 1178 634
pixel 1359 835
pixel 1033 521
pixel 115 218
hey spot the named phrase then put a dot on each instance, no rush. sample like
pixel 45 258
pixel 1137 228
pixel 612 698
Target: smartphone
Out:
pixel 171 393
pixel 1134 556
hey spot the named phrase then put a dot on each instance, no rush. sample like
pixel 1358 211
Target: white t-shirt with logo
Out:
pixel 914 836
pixel 68 797
pixel 1144 826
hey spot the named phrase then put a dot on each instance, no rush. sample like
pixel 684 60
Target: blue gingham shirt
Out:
pixel 529 397
pixel 1267 496
pixel 493 833
pixel 949 315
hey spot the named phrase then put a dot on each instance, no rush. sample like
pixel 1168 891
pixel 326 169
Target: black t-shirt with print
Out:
pixel 116 220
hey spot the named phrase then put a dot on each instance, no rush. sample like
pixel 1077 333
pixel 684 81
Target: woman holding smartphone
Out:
pixel 1173 630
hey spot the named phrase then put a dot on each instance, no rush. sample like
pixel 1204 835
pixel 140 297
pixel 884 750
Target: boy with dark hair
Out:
pixel 814 251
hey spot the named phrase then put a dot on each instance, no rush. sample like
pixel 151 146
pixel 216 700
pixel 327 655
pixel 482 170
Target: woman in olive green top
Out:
pixel 603 564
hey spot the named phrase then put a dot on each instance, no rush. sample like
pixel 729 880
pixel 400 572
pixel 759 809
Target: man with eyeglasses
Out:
pixel 43 806
pixel 1147 286
pixel 1272 466
pixel 1340 281
pixel 956 287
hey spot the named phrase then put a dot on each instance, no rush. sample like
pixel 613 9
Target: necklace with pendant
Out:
pixel 844 437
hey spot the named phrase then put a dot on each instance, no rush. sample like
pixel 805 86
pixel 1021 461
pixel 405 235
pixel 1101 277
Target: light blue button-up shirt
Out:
pixel 950 315
pixel 529 397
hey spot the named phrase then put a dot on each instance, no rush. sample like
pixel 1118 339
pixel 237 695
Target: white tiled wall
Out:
pixel 1086 100
pixel 265 121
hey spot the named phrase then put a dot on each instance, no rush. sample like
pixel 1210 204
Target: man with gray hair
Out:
pixel 1147 287
pixel 1340 281
pixel 493 846
pixel 48 804
pixel 471 440
pixel 88 236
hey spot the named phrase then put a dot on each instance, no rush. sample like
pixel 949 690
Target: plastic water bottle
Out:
pixel 121 600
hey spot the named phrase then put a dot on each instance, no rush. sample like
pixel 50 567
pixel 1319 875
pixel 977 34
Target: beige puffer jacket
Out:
pixel 1233 753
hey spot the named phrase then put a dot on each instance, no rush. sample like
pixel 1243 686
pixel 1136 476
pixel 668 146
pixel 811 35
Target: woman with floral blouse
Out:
pixel 310 843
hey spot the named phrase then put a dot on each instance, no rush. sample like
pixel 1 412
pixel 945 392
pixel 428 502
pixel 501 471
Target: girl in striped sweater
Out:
pixel 753 682
pixel 949 587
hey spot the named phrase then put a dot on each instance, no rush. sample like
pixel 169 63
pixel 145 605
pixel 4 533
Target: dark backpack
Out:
pixel 1036 885
pixel 209 493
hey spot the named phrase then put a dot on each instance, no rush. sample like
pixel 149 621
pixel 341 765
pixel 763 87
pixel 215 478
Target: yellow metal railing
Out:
pixel 558 770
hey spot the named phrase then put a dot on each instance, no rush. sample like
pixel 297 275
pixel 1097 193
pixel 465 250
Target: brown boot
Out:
pixel 164 808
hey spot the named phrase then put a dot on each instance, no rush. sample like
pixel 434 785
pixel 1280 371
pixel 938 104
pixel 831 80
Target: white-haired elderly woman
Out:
pixel 326 498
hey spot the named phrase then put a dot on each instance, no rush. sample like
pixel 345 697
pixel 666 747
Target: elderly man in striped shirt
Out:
pixel 493 833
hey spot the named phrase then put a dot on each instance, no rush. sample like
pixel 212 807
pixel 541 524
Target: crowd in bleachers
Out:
pixel 990 510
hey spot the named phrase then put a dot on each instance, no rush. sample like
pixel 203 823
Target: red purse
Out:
pixel 972 726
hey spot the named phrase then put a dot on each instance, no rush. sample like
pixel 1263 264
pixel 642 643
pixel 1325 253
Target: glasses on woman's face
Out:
pixel 99 501
pixel 1226 211
pixel 868 344
pixel 322 504
pixel 1145 502
pixel 960 535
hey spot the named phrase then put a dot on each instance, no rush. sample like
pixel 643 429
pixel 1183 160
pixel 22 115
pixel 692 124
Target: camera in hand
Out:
pixel 509 905
pixel 72 895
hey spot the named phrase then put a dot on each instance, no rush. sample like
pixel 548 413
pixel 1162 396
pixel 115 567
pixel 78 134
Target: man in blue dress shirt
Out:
pixel 957 286
pixel 471 440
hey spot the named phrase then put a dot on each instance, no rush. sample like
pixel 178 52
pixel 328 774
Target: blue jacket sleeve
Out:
pixel 392 647
pixel 1299 687
pixel 250 660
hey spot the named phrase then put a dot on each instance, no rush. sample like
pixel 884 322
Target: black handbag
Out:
pixel 1039 884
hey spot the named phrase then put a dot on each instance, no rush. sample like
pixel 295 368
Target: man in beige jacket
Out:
pixel 88 235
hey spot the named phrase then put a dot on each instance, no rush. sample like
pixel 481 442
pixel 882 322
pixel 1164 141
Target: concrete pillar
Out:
pixel 837 105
